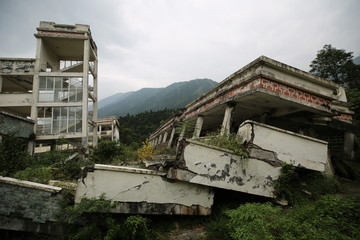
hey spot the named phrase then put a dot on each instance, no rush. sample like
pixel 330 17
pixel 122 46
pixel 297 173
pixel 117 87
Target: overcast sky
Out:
pixel 154 43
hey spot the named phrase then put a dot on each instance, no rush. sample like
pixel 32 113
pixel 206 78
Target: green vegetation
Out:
pixel 13 155
pixel 230 142
pixel 91 219
pixel 175 96
pixel 329 217
pixel 146 151
pixel 337 65
pixel 52 166
pixel 318 211
pixel 106 151
pixel 135 129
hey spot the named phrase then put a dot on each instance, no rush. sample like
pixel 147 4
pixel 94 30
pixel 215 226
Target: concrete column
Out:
pixel 198 126
pixel 182 133
pixel 1 83
pixel 160 139
pixel 95 103
pixel 349 139
pixel 181 137
pixel 31 147
pixel 35 87
pixel 165 137
pixel 225 127
pixel 112 131
pixel 85 127
pixel 171 137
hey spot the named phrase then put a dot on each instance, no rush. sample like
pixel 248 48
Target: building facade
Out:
pixel 56 88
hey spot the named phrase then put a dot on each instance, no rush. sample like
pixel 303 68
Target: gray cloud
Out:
pixel 144 43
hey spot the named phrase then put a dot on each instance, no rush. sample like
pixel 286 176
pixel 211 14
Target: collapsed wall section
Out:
pixel 142 191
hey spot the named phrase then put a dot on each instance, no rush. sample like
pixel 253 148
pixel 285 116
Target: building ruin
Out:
pixel 280 113
pixel 56 88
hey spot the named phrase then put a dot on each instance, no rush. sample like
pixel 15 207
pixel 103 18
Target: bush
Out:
pixel 227 141
pixel 297 185
pixel 330 217
pixel 100 224
pixel 146 151
pixel 252 221
pixel 36 174
pixel 13 155
pixel 106 151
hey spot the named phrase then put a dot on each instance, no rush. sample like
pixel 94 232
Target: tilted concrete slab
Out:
pixel 267 146
pixel 143 191
pixel 285 146
pixel 220 168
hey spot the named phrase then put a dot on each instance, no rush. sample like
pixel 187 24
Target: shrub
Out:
pixel 100 224
pixel 252 221
pixel 106 151
pixel 36 174
pixel 330 217
pixel 297 185
pixel 230 142
pixel 146 151
pixel 13 155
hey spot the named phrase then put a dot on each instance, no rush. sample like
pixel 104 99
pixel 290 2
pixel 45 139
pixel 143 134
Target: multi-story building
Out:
pixel 57 87
pixel 109 128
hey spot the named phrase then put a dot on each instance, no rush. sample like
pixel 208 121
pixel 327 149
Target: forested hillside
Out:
pixel 177 95
pixel 136 128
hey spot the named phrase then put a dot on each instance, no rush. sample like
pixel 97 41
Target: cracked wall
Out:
pixel 141 191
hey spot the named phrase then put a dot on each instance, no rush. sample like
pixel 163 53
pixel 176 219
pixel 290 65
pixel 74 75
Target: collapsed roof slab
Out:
pixel 268 147
pixel 142 191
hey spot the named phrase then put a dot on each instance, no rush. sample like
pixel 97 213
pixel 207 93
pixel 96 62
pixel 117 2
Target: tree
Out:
pixel 13 155
pixel 336 65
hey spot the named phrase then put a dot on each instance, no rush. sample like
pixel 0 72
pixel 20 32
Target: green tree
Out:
pixel 336 65
pixel 13 155
pixel 106 151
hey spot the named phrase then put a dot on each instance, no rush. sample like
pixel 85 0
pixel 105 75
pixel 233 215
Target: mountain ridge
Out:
pixel 176 95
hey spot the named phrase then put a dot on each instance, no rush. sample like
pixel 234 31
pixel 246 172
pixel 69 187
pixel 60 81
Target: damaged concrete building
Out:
pixel 108 128
pixel 56 88
pixel 280 113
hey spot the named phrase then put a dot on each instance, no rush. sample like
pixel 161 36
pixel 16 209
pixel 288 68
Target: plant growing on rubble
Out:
pixel 146 151
pixel 99 223
pixel 297 185
pixel 230 142
pixel 329 217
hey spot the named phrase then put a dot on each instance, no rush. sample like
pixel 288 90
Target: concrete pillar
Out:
pixel 95 103
pixel 225 127
pixel 198 126
pixel 1 83
pixel 86 58
pixel 31 147
pixel 35 87
pixel 165 137
pixel 182 133
pixel 349 139
pixel 181 137
pixel 171 136
pixel 160 139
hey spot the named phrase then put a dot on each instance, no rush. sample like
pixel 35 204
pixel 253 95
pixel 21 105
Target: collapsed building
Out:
pixel 56 88
pixel 280 113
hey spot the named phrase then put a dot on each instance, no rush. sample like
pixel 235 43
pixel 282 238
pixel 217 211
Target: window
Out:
pixel 60 89
pixel 57 120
